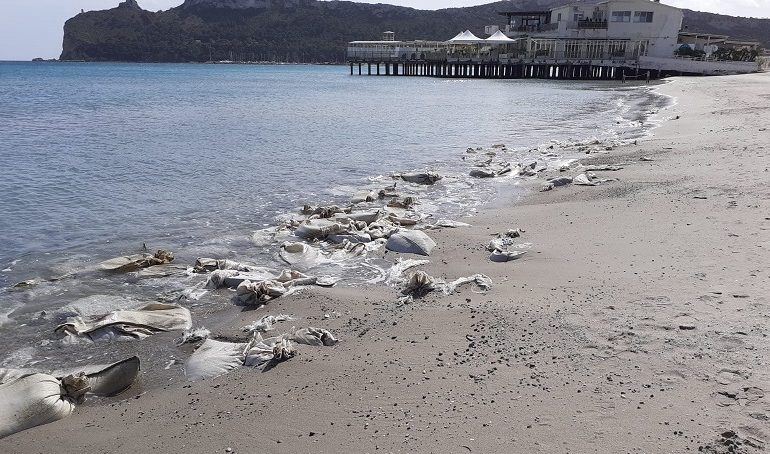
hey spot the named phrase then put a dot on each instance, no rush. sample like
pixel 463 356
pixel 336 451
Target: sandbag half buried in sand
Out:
pixel 38 399
pixel 314 336
pixel 114 378
pixel 103 380
pixel 410 242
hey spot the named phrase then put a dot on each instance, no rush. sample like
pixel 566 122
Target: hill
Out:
pixel 297 30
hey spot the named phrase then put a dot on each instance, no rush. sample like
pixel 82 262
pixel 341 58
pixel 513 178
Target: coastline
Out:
pixel 578 347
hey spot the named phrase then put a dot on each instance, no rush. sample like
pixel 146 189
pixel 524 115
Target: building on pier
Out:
pixel 613 39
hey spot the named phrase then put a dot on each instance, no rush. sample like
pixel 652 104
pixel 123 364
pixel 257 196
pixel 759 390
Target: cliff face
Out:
pixel 297 30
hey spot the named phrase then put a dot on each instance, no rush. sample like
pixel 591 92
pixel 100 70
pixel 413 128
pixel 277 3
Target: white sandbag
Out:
pixel 214 358
pixel 113 379
pixel 295 278
pixel 259 293
pixel 320 228
pixel 482 281
pixel 300 255
pixel 505 256
pixel 193 335
pixel 420 284
pixel 266 323
pixel 446 223
pixel 397 270
pixel 363 216
pixel 402 202
pixel 426 178
pixel 555 183
pixel 205 265
pixel 383 228
pixel 38 399
pixel 483 173
pixel 402 220
pixel 583 180
pixel 347 251
pixel 129 324
pixel 313 336
pixel 323 212
pixel 103 380
pixel 263 352
pixel 364 196
pixel 135 262
pixel 353 237
pixel 9 375
pixel 410 242
pixel 233 278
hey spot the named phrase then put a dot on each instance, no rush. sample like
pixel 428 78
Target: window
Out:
pixel 621 16
pixel 644 17
pixel 559 18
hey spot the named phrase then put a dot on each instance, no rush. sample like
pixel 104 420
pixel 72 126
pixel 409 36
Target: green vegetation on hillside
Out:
pixel 292 31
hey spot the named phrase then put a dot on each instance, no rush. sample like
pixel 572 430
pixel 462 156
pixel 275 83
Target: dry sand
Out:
pixel 638 323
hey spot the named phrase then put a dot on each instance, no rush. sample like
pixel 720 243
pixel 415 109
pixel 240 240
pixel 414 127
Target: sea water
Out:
pixel 98 160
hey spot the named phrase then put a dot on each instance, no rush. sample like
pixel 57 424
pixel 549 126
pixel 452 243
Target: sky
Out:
pixel 33 28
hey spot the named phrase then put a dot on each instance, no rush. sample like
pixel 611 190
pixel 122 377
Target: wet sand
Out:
pixel 637 323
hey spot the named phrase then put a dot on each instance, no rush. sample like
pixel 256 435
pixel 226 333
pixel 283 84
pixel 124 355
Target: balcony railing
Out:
pixel 589 25
pixel 531 28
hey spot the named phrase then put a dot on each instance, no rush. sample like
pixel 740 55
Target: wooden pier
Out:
pixel 560 70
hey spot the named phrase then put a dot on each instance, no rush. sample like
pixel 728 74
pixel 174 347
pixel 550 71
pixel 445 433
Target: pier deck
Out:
pixel 498 69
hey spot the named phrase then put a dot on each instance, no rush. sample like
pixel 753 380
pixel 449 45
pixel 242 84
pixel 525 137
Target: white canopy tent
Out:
pixel 466 37
pixel 499 38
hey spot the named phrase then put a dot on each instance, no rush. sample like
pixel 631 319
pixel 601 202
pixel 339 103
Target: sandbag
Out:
pixel 233 278
pixel 205 265
pixel 115 378
pixel 583 180
pixel 129 324
pixel 323 212
pixel 483 173
pixel 410 242
pixel 134 262
pixel 426 178
pixel 263 352
pixel 37 399
pixel 364 216
pixel 259 293
pixel 394 275
pixel 420 284
pixel 353 237
pixel 505 256
pixel 214 358
pixel 320 228
pixel 314 336
pixel 555 183
pixel 300 255
pixel 266 323
pixel 446 223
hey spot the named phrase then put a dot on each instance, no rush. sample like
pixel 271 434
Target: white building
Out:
pixel 611 28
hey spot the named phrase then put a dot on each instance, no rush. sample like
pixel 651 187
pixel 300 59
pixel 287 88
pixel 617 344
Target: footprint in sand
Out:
pixel 729 376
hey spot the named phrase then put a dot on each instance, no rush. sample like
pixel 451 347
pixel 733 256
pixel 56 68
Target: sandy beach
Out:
pixel 637 323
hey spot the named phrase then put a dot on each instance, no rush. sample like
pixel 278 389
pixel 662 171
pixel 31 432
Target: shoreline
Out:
pixel 579 345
